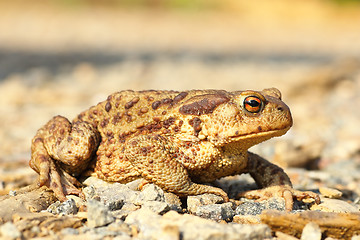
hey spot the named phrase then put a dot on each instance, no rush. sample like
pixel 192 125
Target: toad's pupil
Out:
pixel 253 103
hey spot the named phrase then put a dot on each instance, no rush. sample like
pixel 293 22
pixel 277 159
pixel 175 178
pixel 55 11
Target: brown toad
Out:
pixel 176 140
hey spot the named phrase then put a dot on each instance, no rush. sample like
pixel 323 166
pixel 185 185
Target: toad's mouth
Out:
pixel 272 133
pixel 251 139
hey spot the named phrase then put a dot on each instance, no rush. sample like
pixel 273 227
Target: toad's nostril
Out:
pixel 280 109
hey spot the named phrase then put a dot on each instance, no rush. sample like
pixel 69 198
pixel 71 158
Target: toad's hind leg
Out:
pixel 112 165
pixel 158 161
pixel 61 149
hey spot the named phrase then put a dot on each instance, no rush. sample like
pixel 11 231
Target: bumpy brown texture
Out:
pixel 176 140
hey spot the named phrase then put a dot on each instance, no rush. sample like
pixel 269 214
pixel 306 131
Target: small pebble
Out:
pixel 9 231
pixel 276 203
pixel 247 219
pixel 125 210
pixel 193 202
pixel 250 208
pixel 255 208
pixel 12 193
pixel 35 229
pixel 69 231
pixel 151 192
pixel 89 192
pixel 311 231
pixel 334 205
pixel 78 201
pixel 64 208
pixel 53 207
pixel 98 214
pixel 116 195
pixel 216 211
pixel 284 236
pixel 67 207
pixel 330 192
pixel 158 207
pixel 173 201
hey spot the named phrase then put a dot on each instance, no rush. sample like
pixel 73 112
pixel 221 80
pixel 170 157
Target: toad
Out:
pixel 176 140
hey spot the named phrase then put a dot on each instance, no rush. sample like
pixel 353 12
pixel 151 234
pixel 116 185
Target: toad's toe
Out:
pixel 284 191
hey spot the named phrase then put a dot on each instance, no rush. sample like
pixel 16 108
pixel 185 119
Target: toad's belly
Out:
pixel 221 167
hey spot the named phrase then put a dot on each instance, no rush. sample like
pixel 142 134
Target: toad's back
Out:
pixel 129 113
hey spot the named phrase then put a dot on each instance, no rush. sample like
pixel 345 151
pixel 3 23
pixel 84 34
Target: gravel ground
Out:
pixel 60 60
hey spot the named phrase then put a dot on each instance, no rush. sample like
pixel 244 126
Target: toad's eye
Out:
pixel 252 104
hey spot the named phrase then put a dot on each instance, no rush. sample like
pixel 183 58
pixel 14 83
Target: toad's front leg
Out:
pixel 274 182
pixel 158 160
pixel 61 149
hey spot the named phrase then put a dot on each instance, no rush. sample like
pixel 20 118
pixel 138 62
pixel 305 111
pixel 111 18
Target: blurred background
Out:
pixel 62 56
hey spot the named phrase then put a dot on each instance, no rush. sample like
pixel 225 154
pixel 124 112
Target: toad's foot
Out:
pixel 60 148
pixel 283 191
pixel 50 174
pixel 59 181
pixel 63 184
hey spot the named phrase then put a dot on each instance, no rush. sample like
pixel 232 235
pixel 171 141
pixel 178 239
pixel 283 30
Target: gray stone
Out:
pixel 173 201
pixel 126 209
pixel 101 233
pixel 67 207
pixel 90 192
pixel 53 207
pixel 106 232
pixel 98 214
pixel 193 227
pixel 123 190
pixel 216 211
pixel 9 231
pixel 12 193
pixel 96 182
pixel 78 200
pixel 64 208
pixel 275 203
pixel 157 207
pixel 121 227
pixel 69 231
pixel 188 227
pixel 115 195
pixel 146 221
pixel 193 202
pixel 113 202
pixel 151 192
pixel 250 208
pixel 255 208
pixel 311 231
pixel 223 231
pixel 115 230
